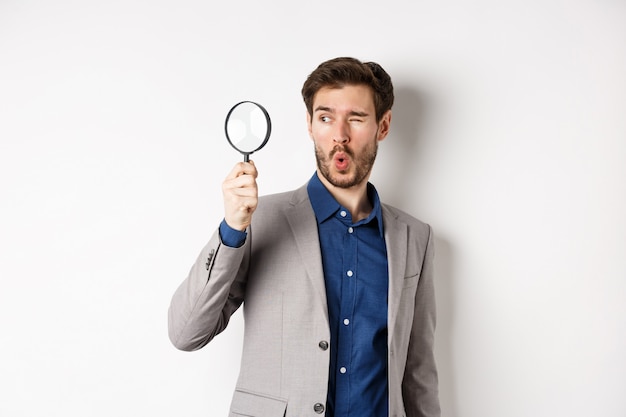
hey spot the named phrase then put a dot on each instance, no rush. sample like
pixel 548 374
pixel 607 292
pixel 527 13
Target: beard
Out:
pixel 361 165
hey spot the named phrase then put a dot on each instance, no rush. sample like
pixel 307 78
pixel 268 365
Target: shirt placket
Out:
pixel 348 297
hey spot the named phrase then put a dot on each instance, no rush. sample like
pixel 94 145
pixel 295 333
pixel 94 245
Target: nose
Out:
pixel 341 135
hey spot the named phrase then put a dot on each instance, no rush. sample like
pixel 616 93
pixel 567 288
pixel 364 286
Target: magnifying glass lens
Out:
pixel 248 127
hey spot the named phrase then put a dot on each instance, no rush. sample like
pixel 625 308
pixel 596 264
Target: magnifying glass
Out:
pixel 248 127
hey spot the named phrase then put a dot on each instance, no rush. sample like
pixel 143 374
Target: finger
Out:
pixel 242 182
pixel 248 205
pixel 248 168
pixel 243 168
pixel 236 195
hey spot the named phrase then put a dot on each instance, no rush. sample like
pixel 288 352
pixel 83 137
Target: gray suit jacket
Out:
pixel 278 276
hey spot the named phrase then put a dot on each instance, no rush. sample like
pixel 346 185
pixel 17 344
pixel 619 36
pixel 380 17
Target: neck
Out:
pixel 353 198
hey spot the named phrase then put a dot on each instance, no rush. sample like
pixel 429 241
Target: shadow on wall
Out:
pixel 401 151
pixel 401 154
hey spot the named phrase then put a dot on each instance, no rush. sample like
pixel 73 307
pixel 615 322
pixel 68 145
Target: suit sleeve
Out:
pixel 214 289
pixel 420 383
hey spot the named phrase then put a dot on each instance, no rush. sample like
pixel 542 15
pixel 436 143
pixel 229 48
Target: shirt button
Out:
pixel 342 213
pixel 346 321
pixel 350 230
pixel 323 345
pixel 343 370
pixel 318 408
pixel 349 273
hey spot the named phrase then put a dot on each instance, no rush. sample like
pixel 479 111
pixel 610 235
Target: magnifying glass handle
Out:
pixel 246 157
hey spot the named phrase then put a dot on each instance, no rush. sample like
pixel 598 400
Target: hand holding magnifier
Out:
pixel 247 127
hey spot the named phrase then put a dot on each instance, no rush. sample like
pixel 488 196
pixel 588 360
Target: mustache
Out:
pixel 341 148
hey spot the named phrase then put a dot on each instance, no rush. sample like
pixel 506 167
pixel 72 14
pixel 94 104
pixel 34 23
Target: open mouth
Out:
pixel 341 161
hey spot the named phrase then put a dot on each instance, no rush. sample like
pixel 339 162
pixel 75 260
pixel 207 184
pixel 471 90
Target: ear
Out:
pixel 384 125
pixel 308 124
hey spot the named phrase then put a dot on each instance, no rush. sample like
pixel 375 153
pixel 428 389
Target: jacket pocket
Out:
pixel 410 281
pixel 249 404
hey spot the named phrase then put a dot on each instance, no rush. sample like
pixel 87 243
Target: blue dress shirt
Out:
pixel 354 258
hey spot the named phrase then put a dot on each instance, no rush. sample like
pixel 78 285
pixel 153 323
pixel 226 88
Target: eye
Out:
pixel 325 119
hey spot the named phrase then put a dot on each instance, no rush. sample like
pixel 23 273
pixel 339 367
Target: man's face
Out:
pixel 344 130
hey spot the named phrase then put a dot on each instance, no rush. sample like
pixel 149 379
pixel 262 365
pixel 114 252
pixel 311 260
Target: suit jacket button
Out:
pixel 318 408
pixel 323 345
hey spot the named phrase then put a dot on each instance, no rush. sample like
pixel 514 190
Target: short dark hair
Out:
pixel 339 72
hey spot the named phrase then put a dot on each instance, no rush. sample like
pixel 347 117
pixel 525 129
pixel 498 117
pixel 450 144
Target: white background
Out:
pixel 508 137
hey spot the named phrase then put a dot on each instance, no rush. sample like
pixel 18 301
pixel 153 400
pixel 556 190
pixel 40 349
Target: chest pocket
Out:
pixel 248 404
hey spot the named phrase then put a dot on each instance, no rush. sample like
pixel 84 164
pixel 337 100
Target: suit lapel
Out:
pixel 303 225
pixel 396 235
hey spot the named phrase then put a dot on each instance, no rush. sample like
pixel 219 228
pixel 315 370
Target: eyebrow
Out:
pixel 351 113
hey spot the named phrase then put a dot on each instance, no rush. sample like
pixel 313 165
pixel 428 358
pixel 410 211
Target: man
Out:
pixel 337 287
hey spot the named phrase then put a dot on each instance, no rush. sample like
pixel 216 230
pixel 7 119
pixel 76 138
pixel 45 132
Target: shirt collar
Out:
pixel 325 205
